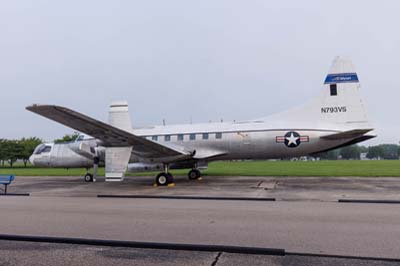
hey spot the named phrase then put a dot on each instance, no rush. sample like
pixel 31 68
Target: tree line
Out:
pixel 382 151
pixel 21 149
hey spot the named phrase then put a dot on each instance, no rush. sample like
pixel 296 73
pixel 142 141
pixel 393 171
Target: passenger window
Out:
pixel 218 135
pixel 155 138
pixel 333 89
pixel 192 136
pixel 167 137
pixel 180 137
pixel 205 135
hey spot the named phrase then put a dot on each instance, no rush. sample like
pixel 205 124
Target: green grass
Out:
pixel 250 168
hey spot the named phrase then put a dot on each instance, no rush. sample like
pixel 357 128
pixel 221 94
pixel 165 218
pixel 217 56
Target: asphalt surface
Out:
pixel 306 218
pixel 282 188
pixel 44 254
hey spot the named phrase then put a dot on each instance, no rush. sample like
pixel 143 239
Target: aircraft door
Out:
pixel 246 145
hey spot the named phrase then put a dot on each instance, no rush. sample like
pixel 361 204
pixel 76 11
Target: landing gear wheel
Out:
pixel 170 178
pixel 162 179
pixel 88 177
pixel 194 174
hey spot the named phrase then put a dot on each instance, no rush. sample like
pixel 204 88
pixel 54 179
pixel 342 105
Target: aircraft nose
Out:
pixel 32 160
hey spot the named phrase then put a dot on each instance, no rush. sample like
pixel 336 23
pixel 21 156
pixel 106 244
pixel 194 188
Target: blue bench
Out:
pixel 6 180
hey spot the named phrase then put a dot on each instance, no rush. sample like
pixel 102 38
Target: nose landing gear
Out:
pixel 89 177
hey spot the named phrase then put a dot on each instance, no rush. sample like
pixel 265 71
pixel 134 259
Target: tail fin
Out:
pixel 119 115
pixel 339 104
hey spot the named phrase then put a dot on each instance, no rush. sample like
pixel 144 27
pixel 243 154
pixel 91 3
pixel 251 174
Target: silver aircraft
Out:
pixel 335 118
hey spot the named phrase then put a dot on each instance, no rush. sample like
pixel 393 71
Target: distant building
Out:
pixel 363 156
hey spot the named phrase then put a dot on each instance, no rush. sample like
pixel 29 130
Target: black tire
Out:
pixel 194 174
pixel 170 178
pixel 162 179
pixel 88 178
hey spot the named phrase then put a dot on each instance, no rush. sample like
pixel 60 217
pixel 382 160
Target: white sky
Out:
pixel 204 60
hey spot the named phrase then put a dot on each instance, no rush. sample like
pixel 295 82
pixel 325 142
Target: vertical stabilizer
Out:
pixel 119 115
pixel 341 101
pixel 338 106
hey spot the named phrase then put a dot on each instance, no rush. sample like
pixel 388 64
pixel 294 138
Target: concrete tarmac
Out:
pixel 305 218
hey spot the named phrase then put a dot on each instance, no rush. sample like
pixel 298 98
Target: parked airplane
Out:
pixel 336 118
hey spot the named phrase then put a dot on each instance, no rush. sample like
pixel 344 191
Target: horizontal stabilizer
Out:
pixel 347 134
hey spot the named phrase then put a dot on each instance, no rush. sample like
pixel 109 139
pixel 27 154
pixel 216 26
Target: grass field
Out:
pixel 250 168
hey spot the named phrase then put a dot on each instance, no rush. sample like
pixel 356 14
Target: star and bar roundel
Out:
pixel 292 139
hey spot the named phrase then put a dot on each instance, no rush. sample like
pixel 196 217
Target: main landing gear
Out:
pixel 165 178
pixel 89 177
pixel 194 174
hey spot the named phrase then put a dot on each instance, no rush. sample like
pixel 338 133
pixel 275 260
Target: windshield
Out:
pixel 42 149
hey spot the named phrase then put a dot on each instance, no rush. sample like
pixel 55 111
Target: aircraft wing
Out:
pixel 109 135
pixel 347 134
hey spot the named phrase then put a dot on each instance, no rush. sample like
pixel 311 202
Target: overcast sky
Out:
pixel 200 60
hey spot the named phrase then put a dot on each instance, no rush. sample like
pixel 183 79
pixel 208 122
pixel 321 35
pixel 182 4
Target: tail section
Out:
pixel 119 115
pixel 339 104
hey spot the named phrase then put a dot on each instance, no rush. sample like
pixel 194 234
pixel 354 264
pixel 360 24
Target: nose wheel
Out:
pixel 88 178
pixel 92 178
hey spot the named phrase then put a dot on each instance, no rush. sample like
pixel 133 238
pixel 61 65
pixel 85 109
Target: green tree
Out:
pixel 3 153
pixel 375 152
pixel 13 150
pixel 68 138
pixel 390 151
pixel 350 152
pixel 28 145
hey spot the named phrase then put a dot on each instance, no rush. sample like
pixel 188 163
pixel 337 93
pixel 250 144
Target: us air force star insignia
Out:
pixel 292 139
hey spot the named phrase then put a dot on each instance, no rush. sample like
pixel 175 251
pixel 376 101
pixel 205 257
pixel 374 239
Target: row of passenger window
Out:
pixel 182 137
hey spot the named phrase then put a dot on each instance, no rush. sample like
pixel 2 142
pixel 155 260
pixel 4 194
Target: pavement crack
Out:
pixel 214 263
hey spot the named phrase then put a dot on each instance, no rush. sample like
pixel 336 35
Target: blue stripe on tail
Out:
pixel 341 78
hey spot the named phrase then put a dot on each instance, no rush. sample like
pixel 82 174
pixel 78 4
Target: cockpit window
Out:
pixel 41 149
pixel 46 149
pixel 38 149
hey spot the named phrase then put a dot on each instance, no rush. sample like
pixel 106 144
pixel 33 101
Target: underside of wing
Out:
pixel 207 154
pixel 109 135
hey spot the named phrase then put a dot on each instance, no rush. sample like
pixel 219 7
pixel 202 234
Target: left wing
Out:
pixel 109 135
